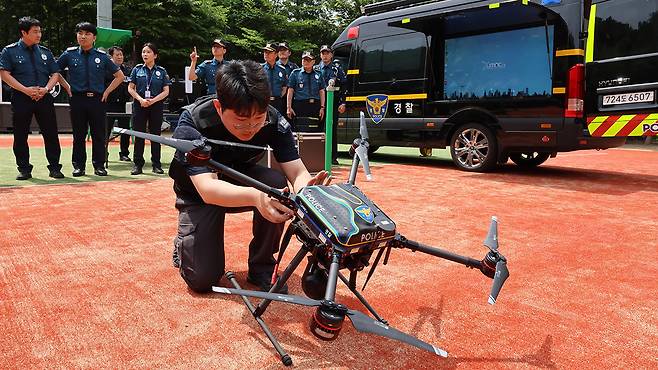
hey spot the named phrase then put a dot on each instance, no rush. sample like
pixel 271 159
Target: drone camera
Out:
pixel 314 280
pixel 327 322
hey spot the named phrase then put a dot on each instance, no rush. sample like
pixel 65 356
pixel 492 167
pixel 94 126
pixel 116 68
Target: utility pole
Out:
pixel 104 13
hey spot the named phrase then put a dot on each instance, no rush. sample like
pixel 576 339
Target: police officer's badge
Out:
pixel 97 60
pixel 377 105
pixel 44 57
pixel 157 73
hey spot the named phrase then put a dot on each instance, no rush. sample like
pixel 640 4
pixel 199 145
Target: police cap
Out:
pixel 219 42
pixel 271 46
pixel 307 55
pixel 284 45
pixel 325 48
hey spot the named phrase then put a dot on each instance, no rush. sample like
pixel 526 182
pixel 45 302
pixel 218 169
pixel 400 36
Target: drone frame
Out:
pixel 492 265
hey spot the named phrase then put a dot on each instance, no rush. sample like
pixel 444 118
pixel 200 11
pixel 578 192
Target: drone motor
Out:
pixel 327 320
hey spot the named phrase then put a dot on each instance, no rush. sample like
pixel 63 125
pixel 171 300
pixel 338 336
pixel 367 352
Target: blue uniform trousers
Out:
pixel 152 117
pixel 23 108
pixel 88 113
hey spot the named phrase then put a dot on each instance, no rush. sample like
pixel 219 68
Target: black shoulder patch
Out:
pixel 282 124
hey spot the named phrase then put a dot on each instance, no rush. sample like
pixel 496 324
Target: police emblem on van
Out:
pixel 377 105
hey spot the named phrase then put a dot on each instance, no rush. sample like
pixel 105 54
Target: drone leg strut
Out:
pixel 362 299
pixel 330 293
pixel 299 257
pixel 285 358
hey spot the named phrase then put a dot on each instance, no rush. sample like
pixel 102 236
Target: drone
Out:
pixel 339 228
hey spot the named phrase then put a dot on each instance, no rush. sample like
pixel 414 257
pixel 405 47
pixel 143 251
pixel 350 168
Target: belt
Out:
pixel 307 100
pixel 88 94
pixel 272 98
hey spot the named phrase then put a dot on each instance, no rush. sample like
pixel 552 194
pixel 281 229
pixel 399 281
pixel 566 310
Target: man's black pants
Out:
pixel 88 113
pixel 154 116
pixel 200 239
pixel 23 108
pixel 122 122
pixel 307 116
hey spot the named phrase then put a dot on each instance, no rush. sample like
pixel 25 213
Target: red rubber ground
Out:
pixel 86 277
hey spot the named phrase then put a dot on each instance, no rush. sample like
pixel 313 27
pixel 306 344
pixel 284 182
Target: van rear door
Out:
pixel 622 68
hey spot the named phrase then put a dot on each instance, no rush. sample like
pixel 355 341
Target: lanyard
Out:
pixel 149 77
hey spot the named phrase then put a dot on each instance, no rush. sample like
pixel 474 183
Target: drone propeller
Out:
pixel 359 320
pixel 362 149
pixel 184 146
pixel 502 273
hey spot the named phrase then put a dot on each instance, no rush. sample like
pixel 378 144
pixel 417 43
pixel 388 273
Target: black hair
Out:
pixel 25 23
pixel 242 86
pixel 86 26
pixel 113 49
pixel 151 46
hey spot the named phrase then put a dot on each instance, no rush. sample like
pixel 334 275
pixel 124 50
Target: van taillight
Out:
pixel 353 32
pixel 575 92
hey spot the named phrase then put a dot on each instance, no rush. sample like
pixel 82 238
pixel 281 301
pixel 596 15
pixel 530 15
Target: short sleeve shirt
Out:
pixel 31 66
pixel 87 69
pixel 151 79
pixel 207 72
pixel 277 77
pixel 306 85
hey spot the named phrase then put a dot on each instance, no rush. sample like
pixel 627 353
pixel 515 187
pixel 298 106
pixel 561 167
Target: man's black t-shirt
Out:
pixel 201 120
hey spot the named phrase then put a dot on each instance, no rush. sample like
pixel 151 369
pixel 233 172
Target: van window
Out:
pixel 399 57
pixel 508 64
pixel 625 28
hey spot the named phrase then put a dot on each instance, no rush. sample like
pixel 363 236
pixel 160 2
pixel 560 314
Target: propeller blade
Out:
pixel 295 299
pixel 499 279
pixel 362 152
pixel 366 324
pixel 240 145
pixel 184 146
pixel 363 129
pixel 492 237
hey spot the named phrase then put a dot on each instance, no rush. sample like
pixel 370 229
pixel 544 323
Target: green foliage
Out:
pixel 176 26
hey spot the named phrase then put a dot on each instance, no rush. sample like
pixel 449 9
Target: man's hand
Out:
pixel 41 92
pixel 291 113
pixel 341 108
pixel 321 113
pixel 272 210
pixel 145 103
pixel 104 97
pixel 194 56
pixel 321 178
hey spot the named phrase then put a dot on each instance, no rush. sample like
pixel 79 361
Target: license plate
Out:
pixel 629 98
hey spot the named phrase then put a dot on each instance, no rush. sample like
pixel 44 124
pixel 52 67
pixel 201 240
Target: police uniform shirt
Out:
pixel 306 85
pixel 201 119
pixel 207 71
pixel 153 79
pixel 277 77
pixel 87 69
pixel 120 94
pixel 290 66
pixel 330 71
pixel 30 66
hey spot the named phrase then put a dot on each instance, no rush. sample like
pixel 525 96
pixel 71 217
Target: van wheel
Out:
pixel 473 148
pixel 426 152
pixel 529 160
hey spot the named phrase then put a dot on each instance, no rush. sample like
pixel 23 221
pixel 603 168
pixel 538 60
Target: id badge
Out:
pixel 147 94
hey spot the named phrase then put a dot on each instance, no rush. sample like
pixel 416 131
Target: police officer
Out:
pixel 306 93
pixel 149 86
pixel 116 101
pixel 276 76
pixel 284 58
pixel 333 75
pixel 238 113
pixel 87 69
pixel 207 70
pixel 31 71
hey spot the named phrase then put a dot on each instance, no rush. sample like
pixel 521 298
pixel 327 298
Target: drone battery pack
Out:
pixel 344 215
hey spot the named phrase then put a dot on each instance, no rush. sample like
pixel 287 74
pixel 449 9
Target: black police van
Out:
pixel 491 80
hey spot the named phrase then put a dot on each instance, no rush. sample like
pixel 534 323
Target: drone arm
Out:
pixel 416 246
pixel 285 198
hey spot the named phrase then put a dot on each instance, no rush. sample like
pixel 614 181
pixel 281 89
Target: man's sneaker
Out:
pixel 175 257
pixel 263 281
